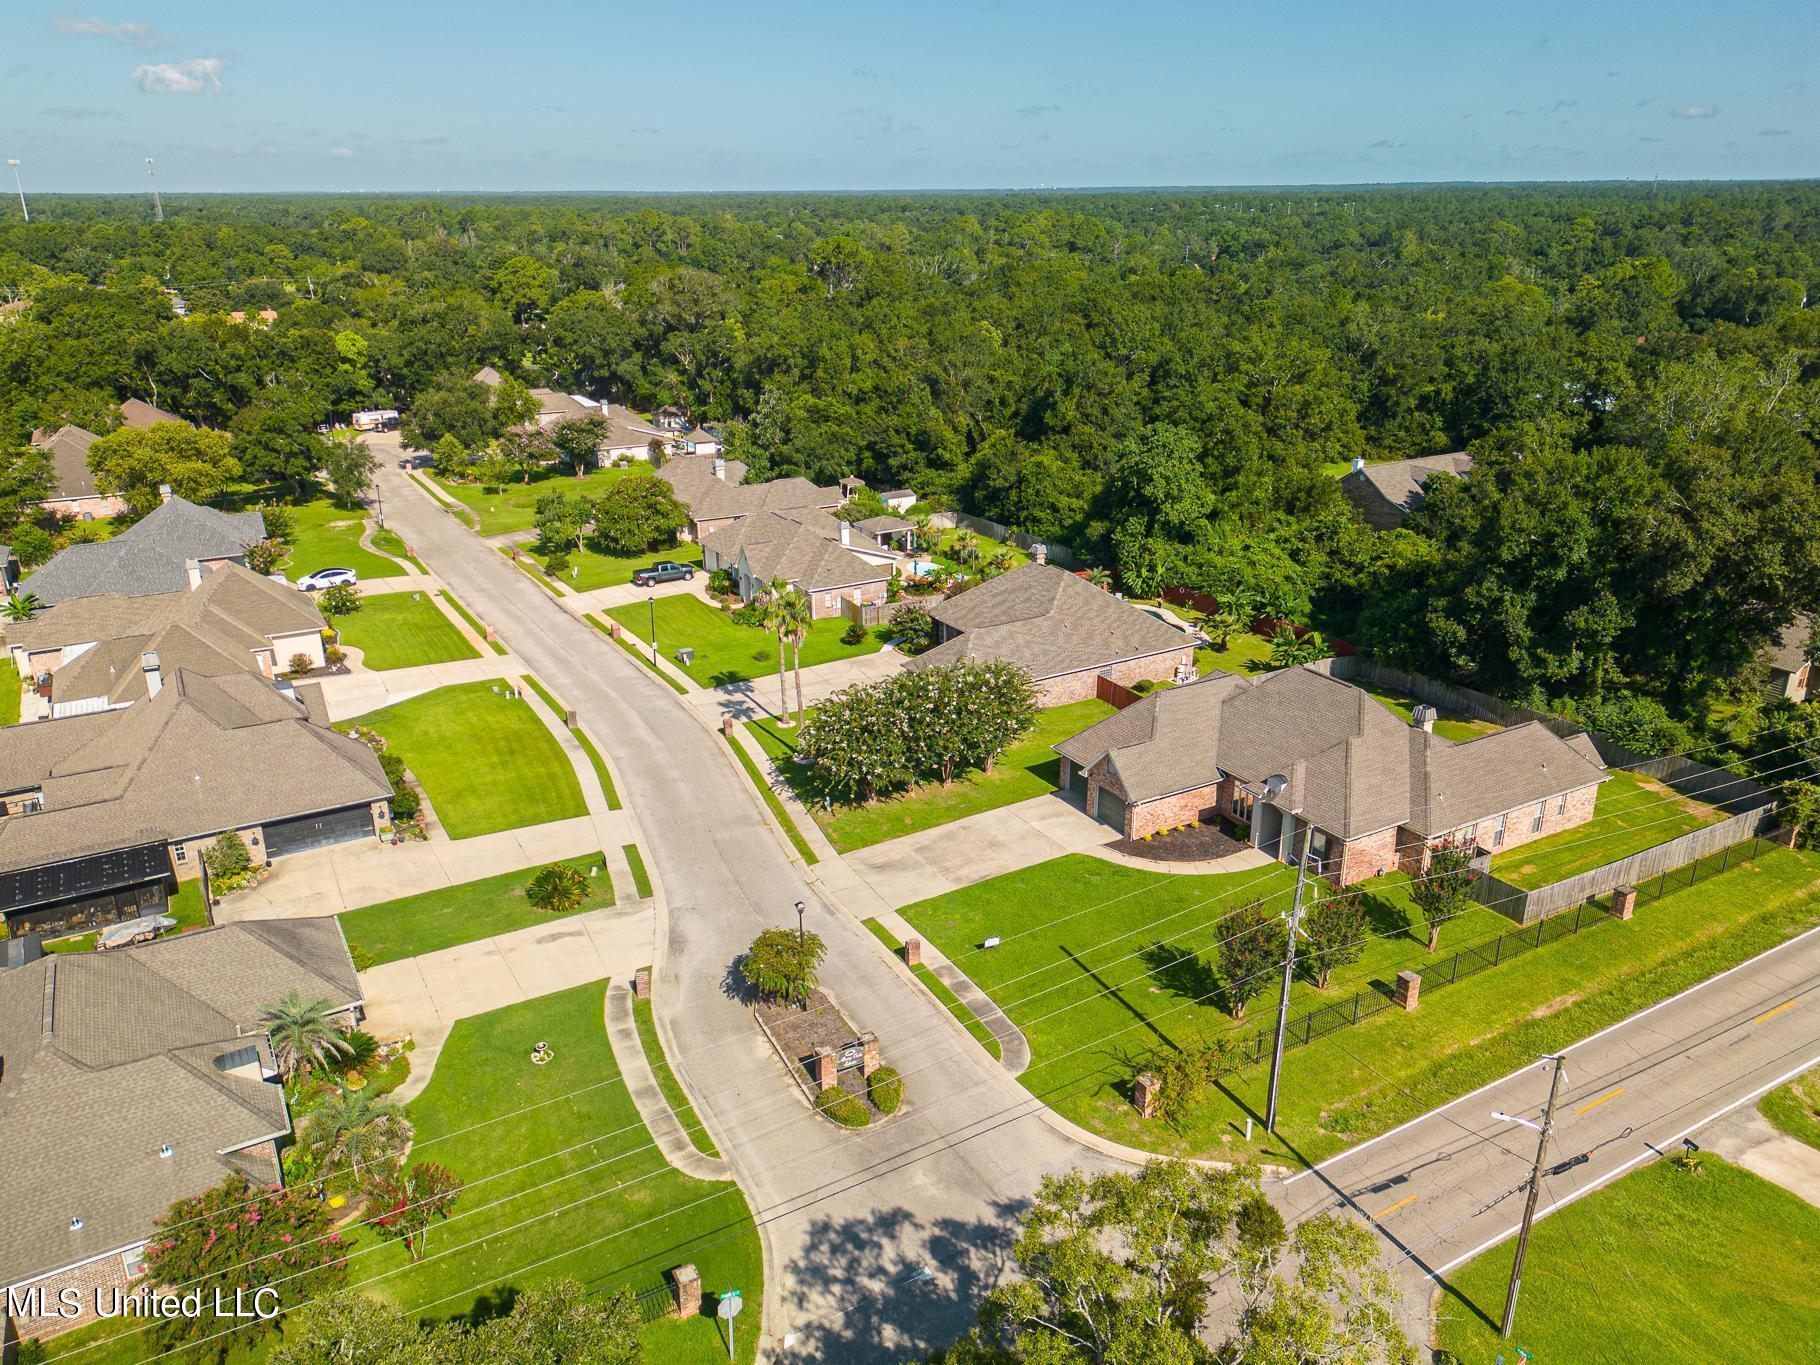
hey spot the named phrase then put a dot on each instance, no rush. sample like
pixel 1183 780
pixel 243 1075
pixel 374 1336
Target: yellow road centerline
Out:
pixel 1771 1014
pixel 1601 1100
pixel 1399 1204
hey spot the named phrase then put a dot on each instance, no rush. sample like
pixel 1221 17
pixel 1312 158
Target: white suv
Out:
pixel 326 578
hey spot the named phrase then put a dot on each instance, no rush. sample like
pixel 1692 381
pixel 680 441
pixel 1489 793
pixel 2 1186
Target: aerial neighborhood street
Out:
pixel 818 767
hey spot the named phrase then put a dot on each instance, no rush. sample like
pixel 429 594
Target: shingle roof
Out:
pixel 802 545
pixel 885 526
pixel 487 375
pixel 1400 482
pixel 149 556
pixel 1354 767
pixel 715 499
pixel 68 449
pixel 690 475
pixel 1788 651
pixel 210 629
pixel 1049 622
pixel 140 415
pixel 205 754
pixel 552 403
pixel 104 1057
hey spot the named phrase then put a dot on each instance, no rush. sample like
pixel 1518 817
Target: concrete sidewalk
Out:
pixel 759 697
pixel 423 997
pixel 354 694
pixel 647 1096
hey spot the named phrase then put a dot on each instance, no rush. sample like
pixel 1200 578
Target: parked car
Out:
pixel 326 578
pixel 664 571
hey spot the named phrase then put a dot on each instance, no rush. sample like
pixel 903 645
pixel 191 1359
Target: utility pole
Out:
pixel 1535 1189
pixel 13 162
pixel 1295 923
pixel 151 173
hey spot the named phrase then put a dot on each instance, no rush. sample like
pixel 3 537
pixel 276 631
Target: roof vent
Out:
pixel 75 1225
pixel 1423 718
pixel 164 1150
pixel 1358 464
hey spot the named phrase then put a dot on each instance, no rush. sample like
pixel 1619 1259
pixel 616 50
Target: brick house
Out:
pixel 1791 670
pixel 167 550
pixel 1062 630
pixel 73 492
pixel 137 1077
pixel 1377 794
pixel 829 559
pixel 1387 492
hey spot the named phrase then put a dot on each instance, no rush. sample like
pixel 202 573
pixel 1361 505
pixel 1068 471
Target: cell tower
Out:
pixel 151 173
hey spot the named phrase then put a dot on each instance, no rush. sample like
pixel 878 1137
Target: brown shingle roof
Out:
pixel 802 545
pixel 140 415
pixel 1400 482
pixel 68 449
pixel 1788 651
pixel 1049 622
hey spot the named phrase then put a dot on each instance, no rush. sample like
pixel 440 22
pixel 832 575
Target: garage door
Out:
pixel 317 831
pixel 1077 780
pixel 1110 811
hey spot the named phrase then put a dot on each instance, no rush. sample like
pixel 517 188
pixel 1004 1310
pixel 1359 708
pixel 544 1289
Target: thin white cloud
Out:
pixel 1694 111
pixel 1775 132
pixel 140 34
pixel 341 151
pixel 1036 110
pixel 191 76
pixel 432 139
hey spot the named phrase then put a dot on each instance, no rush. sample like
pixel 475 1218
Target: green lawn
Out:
pixel 604 777
pixel 472 620
pixel 403 630
pixel 1243 654
pixel 327 536
pixel 674 1095
pixel 944 552
pixel 388 541
pixel 641 880
pixel 639 652
pixel 1662 1265
pixel 484 758
pixel 1361 1080
pixel 939 989
pixel 514 507
pixel 451 915
pixel 729 653
pixel 590 570
pixel 1632 813
pixel 1028 768
pixel 1448 724
pixel 626 1216
pixel 773 803
pixel 11 689
pixel 1795 1107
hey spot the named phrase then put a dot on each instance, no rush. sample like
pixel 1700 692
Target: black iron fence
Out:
pixel 656 1304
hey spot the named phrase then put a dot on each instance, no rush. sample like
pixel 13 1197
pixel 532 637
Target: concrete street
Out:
pixel 1440 1189
pixel 878 1243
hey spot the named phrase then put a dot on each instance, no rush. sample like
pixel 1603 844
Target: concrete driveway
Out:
pixel 759 697
pixel 422 997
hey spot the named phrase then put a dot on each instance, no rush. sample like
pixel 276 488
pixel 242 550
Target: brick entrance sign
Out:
pixel 1624 902
pixel 1409 989
pixel 825 1069
pixel 1143 1096
pixel 685 1284
pixel 869 1059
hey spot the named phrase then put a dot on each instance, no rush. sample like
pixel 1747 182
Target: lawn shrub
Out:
pixel 885 1088
pixel 301 664
pixel 334 655
pixel 748 614
pixel 230 865
pixel 341 600
pixel 723 583
pixel 362 1048
pixel 838 1105
pixel 854 634
pixel 362 959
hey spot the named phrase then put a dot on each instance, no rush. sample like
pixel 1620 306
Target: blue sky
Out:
pixel 810 94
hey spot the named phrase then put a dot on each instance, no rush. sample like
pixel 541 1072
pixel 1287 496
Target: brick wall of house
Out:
pixel 1413 852
pixel 825 604
pixel 105 1274
pixel 1100 777
pixel 85 509
pixel 1083 686
pixel 1368 855
pixel 187 853
pixel 1184 808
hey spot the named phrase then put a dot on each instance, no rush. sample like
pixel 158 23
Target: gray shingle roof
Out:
pixel 139 415
pixel 68 450
pixel 884 526
pixel 1049 622
pixel 715 499
pixel 1788 651
pixel 205 754
pixel 802 545
pixel 104 1057
pixel 1400 482
pixel 1354 767
pixel 149 556
pixel 690 475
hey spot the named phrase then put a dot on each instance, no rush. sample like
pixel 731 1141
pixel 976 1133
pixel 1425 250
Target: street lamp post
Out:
pixel 652 600
pixel 802 940
pixel 23 208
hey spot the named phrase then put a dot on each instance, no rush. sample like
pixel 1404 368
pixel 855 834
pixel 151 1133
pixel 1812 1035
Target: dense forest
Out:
pixel 1166 381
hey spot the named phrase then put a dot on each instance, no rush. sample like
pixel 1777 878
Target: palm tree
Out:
pixel 1100 577
pixel 965 546
pixel 303 1033
pixel 772 600
pixel 21 606
pixel 352 1126
pixel 796 613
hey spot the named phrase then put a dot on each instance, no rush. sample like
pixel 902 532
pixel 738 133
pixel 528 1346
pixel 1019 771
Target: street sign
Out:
pixel 851 1056
pixel 728 1309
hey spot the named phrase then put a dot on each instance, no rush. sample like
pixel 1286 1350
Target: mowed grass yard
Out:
pixel 12 689
pixel 402 630
pixel 453 915
pixel 1245 653
pixel 590 569
pixel 1026 769
pixel 485 760
pixel 1795 1107
pixel 1079 971
pixel 1631 814
pixel 1662 1265
pixel 726 652
pixel 513 506
pixel 1448 724
pixel 326 535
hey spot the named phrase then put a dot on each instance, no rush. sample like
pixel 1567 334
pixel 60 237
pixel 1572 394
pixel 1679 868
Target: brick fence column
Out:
pixel 869 1043
pixel 825 1069
pixel 685 1283
pixel 1409 989
pixel 726 726
pixel 913 952
pixel 1624 902
pixel 491 635
pixel 1143 1096
pixel 641 984
pixel 613 628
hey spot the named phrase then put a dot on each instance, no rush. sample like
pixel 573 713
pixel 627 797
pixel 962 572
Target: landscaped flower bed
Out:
pixel 802 1035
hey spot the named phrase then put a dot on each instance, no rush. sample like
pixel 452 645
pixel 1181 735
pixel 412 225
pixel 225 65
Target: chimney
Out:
pixel 148 665
pixel 846 533
pixel 164 493
pixel 1423 718
pixel 1039 553
pixel 192 568
pixel 720 468
pixel 1358 463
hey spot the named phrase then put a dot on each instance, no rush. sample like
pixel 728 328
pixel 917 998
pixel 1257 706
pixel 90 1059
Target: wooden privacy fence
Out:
pixel 1695 847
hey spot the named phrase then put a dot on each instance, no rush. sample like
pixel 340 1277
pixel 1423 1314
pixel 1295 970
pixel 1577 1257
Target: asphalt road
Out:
pixel 878 1243
pixel 1449 1185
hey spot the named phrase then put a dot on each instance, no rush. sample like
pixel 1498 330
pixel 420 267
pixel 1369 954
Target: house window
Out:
pixel 1470 835
pixel 1497 831
pixel 1535 825
pixel 180 853
pixel 1320 847
pixel 1561 808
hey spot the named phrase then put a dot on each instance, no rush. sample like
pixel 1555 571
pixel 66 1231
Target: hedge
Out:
pixel 838 1105
pixel 886 1089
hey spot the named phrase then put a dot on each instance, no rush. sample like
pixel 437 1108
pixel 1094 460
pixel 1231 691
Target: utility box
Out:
pixel 685 656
